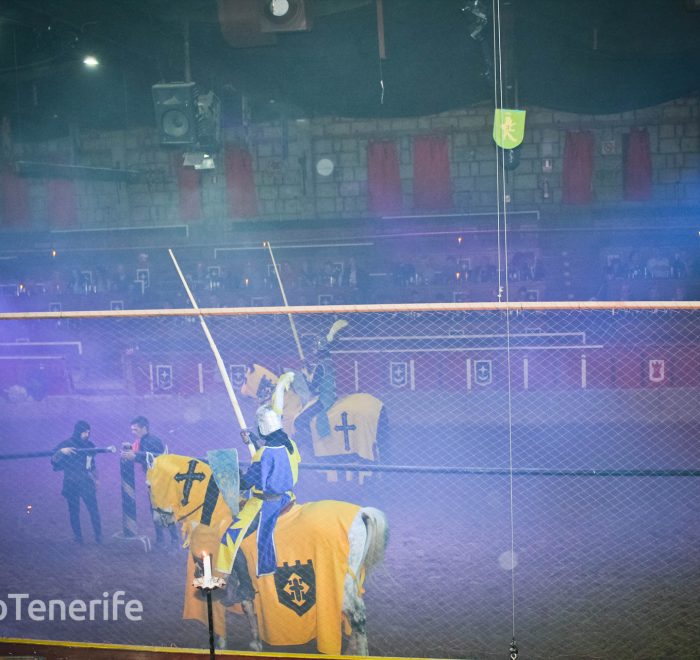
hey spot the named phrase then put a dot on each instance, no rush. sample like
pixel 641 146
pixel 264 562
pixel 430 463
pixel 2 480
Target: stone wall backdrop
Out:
pixel 288 186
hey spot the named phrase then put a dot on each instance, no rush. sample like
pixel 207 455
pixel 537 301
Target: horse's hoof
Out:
pixel 256 645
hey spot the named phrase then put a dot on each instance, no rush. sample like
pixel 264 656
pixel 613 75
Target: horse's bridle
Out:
pixel 165 512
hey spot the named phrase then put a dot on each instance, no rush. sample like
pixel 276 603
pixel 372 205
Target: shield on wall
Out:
pixel 164 376
pixel 296 586
pixel 398 374
pixel 237 374
pixel 483 372
pixel 657 371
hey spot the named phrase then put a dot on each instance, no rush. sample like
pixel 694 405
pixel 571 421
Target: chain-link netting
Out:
pixel 567 436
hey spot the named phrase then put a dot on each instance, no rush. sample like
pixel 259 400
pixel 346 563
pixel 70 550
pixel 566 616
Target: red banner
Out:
pixel 61 203
pixel 240 183
pixel 432 189
pixel 188 182
pixel 383 178
pixel 578 168
pixel 15 198
pixel 637 166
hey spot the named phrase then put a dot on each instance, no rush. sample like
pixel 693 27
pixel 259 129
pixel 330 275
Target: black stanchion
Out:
pixel 128 490
pixel 207 585
pixel 210 617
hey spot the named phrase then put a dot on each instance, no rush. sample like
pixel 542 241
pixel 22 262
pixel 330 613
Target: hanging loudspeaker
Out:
pixel 175 106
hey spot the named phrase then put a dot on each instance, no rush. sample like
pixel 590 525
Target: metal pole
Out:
pixel 500 471
pixel 210 617
pixel 41 454
pixel 186 44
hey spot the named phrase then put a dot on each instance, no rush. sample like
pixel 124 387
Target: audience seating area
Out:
pixel 433 267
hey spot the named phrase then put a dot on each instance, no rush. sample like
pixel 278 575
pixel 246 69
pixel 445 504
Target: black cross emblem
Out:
pixel 188 477
pixel 296 587
pixel 345 428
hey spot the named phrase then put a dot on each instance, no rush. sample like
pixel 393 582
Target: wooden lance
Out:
pixel 217 355
pixel 286 304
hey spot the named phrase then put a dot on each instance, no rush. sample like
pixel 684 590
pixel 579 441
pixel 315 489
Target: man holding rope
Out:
pixel 77 463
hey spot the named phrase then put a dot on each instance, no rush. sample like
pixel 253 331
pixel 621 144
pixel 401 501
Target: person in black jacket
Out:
pixel 73 457
pixel 146 443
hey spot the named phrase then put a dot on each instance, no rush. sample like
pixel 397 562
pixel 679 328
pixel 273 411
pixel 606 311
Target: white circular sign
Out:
pixel 325 167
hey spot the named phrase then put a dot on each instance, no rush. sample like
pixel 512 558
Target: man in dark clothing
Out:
pixel 79 478
pixel 144 444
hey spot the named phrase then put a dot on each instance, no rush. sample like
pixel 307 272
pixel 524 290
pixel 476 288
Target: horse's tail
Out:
pixel 377 535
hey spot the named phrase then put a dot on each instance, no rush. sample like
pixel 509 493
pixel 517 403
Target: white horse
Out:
pixel 203 523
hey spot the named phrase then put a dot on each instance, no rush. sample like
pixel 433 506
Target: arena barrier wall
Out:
pixel 537 463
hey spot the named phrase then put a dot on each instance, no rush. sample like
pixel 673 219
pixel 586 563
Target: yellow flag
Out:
pixel 508 127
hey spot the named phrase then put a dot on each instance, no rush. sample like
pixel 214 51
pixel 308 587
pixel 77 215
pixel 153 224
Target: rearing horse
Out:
pixel 324 549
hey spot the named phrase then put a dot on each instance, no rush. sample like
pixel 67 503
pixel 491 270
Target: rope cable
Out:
pixel 502 203
pixel 381 47
pixel 496 45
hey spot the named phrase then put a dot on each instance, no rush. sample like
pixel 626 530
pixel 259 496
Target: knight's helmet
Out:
pixel 269 415
pixel 322 344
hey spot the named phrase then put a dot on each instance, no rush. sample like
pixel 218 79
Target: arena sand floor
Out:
pixel 606 567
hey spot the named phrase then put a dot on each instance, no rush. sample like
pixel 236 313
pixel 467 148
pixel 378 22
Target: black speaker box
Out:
pixel 175 106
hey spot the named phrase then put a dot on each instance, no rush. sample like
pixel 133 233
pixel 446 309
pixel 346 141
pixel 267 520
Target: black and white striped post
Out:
pixel 127 475
pixel 128 491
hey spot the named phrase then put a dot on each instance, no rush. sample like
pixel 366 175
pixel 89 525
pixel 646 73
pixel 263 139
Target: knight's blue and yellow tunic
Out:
pixel 271 478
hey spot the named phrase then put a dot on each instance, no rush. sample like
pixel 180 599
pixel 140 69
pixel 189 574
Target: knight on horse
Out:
pixel 271 478
pixel 310 586
pixel 347 428
pixel 308 581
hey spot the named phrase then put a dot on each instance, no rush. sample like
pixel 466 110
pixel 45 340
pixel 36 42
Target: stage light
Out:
pixel 91 61
pixel 285 16
pixel 279 8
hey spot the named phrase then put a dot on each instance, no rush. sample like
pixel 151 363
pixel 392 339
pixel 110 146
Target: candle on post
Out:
pixel 206 559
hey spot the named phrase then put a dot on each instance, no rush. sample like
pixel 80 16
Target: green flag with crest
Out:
pixel 508 127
